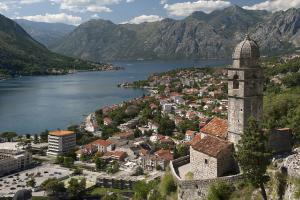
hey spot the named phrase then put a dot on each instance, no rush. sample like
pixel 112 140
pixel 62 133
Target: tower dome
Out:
pixel 247 49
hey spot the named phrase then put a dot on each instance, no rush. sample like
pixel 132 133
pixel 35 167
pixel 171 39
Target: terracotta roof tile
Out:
pixel 216 127
pixel 164 154
pixel 100 142
pixel 211 146
pixel 61 133
pixel 196 139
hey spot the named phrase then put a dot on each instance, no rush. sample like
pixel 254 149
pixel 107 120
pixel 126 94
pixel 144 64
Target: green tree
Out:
pixel 188 125
pixel 9 136
pixel 113 168
pixel 297 188
pixel 138 171
pixel 220 191
pixel 181 150
pixel 76 187
pixel 253 156
pixel 155 195
pixel 141 190
pixel 53 186
pixel 293 122
pixel 36 139
pixel 31 182
pixel 68 162
pixel 166 126
pixel 77 171
pixel 44 136
pixel 108 196
pixel 28 136
pixel 100 164
pixel 167 184
pixel 59 160
pixel 137 133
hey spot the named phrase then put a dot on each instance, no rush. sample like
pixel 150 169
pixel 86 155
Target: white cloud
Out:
pixel 130 1
pixel 54 18
pixel 86 5
pixel 163 1
pixel 275 5
pixel 3 7
pixel 98 9
pixel 30 1
pixel 144 18
pixel 187 8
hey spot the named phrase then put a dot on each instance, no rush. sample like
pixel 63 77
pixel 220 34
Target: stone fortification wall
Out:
pixel 195 189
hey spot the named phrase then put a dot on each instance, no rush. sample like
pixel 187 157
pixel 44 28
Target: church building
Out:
pixel 212 156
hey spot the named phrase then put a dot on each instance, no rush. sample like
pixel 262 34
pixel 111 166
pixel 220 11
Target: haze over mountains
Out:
pixel 46 33
pixel 20 54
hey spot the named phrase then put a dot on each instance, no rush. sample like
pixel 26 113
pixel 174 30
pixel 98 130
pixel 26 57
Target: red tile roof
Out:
pixel 103 143
pixel 61 133
pixel 115 154
pixel 196 139
pixel 216 127
pixel 108 120
pixel 211 146
pixel 164 154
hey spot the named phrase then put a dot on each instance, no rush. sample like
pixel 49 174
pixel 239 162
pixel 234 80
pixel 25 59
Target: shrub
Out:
pixel 220 191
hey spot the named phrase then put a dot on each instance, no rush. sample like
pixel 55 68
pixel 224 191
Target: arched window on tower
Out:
pixel 236 83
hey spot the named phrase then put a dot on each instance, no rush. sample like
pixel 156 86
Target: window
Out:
pixel 236 83
pixel 206 161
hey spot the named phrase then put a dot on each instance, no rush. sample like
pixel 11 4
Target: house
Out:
pixel 189 135
pixel 103 146
pixel 115 155
pixel 211 157
pixel 88 149
pixel 129 134
pixel 153 126
pixel 178 100
pixel 217 127
pixel 129 125
pixel 156 138
pixel 107 121
pixel 160 159
pixel 167 107
pixel 191 115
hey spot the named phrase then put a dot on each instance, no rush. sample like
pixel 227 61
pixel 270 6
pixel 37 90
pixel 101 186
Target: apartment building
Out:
pixel 61 142
pixel 13 159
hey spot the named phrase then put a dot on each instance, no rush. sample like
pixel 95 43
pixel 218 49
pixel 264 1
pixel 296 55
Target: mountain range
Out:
pixel 198 36
pixel 20 54
pixel 45 33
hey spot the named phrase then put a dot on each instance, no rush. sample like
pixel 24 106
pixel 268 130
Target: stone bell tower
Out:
pixel 245 88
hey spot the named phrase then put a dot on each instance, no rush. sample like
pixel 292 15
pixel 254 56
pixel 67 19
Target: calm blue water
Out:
pixel 33 104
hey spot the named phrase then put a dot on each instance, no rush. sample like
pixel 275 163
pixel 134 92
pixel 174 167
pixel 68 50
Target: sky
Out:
pixel 76 12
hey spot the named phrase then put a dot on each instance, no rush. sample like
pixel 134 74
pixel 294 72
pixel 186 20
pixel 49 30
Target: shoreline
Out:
pixel 55 72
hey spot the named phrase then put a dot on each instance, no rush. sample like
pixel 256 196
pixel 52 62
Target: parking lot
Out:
pixel 12 183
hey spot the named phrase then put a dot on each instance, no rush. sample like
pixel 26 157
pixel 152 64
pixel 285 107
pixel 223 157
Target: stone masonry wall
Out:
pixel 196 189
pixel 202 166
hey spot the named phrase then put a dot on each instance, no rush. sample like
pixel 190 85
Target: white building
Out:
pixel 167 107
pixel 13 158
pixel 61 142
